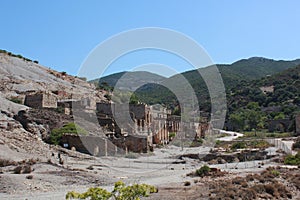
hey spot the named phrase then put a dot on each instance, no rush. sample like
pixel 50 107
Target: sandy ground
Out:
pixel 161 168
pixel 158 168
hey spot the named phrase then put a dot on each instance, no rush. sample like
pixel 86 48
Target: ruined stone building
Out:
pixel 160 125
pixel 69 105
pixel 41 100
pixel 150 121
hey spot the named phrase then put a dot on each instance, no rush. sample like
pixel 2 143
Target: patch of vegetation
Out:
pixel 275 172
pixel 253 186
pixel 261 144
pixel 17 56
pixel 292 160
pixel 238 145
pixel 16 100
pixel 265 134
pixel 70 128
pixel 172 134
pixel 203 171
pixel 120 192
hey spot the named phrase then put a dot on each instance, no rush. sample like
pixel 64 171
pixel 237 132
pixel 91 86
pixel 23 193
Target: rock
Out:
pixel 236 160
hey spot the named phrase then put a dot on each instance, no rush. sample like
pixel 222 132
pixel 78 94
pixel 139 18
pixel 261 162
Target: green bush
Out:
pixel 204 170
pixel 71 128
pixel 120 192
pixel 292 160
pixel 16 100
pixel 172 134
pixel 275 172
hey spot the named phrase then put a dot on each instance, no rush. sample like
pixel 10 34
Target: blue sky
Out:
pixel 60 34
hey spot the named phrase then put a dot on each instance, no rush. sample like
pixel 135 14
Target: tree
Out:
pixel 72 128
pixel 237 120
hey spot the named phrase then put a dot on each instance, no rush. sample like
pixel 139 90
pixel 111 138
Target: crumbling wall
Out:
pixel 41 100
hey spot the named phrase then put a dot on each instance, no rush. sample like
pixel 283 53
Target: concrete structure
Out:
pixel 41 100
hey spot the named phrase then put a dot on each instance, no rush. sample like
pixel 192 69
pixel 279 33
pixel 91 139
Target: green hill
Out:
pixel 233 75
pixel 129 80
pixel 270 98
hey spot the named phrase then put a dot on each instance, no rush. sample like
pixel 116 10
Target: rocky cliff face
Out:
pixel 23 129
pixel 18 77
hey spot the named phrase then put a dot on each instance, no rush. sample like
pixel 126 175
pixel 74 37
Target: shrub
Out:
pixel 172 134
pixel 292 160
pixel 72 128
pixel 120 192
pixel 275 172
pixel 204 170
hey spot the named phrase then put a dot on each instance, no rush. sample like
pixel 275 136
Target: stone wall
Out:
pixel 41 100
pixel 99 146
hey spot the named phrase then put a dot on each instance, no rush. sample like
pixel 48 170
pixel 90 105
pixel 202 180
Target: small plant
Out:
pixel 275 172
pixel 203 171
pixel 172 134
pixel 120 192
pixel 218 142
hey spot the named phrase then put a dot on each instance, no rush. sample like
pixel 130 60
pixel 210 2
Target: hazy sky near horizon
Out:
pixel 61 34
